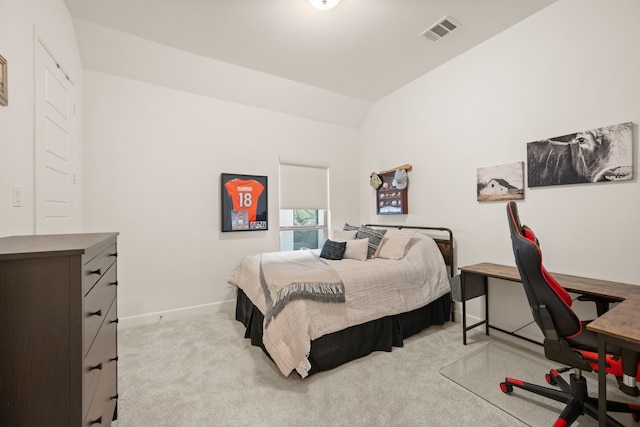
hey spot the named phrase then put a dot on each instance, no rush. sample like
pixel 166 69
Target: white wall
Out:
pixel 152 160
pixel 572 66
pixel 20 22
pixel 114 52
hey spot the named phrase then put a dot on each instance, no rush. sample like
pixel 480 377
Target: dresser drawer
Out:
pixel 104 402
pixel 96 305
pixel 101 362
pixel 96 267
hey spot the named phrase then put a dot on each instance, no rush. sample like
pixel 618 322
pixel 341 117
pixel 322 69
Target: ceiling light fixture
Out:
pixel 324 4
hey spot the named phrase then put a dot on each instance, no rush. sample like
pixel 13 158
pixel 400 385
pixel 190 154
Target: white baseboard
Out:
pixel 457 315
pixel 177 313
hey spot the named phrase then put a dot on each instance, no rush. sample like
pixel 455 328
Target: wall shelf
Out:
pixel 391 200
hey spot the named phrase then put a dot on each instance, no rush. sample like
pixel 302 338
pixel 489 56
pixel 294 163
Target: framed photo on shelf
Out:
pixel 243 202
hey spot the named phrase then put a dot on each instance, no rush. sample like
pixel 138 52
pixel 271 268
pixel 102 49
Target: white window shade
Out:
pixel 303 186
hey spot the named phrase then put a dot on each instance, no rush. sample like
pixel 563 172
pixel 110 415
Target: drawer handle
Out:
pixel 114 359
pixel 114 283
pixel 95 313
pixel 114 321
pixel 96 421
pixel 98 272
pixel 115 255
pixel 98 366
pixel 114 397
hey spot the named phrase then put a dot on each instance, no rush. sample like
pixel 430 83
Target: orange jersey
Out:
pixel 244 194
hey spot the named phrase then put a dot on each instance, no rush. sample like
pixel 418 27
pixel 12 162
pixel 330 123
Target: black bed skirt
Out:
pixel 340 347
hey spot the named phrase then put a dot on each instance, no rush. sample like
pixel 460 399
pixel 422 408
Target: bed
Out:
pixel 310 314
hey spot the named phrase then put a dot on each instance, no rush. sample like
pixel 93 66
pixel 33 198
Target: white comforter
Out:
pixel 373 289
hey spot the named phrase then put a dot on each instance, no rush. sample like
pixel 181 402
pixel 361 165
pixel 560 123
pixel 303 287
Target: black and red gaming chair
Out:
pixel 566 339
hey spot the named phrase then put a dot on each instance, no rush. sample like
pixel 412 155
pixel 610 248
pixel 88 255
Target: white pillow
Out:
pixel 356 249
pixel 342 236
pixel 394 244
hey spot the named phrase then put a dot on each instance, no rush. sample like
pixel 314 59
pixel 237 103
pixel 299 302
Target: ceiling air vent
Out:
pixel 440 29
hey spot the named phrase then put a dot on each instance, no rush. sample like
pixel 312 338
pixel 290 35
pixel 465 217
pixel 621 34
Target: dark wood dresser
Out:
pixel 58 330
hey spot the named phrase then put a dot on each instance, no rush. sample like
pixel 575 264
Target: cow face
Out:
pixel 602 154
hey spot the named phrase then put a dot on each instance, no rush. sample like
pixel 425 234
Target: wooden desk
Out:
pixel 619 326
pixel 475 278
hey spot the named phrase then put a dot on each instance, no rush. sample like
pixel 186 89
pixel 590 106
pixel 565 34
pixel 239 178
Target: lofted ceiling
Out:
pixel 363 49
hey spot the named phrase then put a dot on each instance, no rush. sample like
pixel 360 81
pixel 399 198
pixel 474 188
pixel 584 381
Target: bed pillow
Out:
pixel 394 244
pixel 357 249
pixel 342 235
pixel 333 250
pixel 374 236
pixel 348 227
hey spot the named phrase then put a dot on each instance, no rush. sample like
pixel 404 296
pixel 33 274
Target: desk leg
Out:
pixel 471 286
pixel 464 309
pixel 486 304
pixel 602 382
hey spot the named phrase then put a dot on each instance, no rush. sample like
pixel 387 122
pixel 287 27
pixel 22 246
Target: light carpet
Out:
pixel 200 371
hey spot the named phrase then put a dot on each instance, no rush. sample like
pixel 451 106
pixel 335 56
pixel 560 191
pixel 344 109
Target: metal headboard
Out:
pixel 445 245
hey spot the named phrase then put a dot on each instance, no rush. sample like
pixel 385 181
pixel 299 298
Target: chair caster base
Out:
pixel 506 388
pixel 631 391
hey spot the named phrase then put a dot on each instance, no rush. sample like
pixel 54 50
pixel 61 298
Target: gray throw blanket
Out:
pixel 308 277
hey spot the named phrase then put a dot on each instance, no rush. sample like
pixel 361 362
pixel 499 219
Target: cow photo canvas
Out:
pixel 503 182
pixel 595 155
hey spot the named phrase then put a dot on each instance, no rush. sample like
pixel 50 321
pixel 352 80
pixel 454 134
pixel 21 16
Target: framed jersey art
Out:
pixel 244 202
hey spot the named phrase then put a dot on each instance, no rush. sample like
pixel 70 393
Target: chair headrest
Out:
pixel 516 228
pixel 522 237
pixel 514 220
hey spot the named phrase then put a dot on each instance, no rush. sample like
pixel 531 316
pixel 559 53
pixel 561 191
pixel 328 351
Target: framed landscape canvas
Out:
pixel 503 182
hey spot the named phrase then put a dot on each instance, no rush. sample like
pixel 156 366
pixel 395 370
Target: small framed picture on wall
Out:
pixel 244 204
pixel 4 98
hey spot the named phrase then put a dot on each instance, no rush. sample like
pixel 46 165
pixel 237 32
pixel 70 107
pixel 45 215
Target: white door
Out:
pixel 55 210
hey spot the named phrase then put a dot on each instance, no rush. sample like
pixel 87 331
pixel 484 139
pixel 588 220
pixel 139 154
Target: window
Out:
pixel 303 206
pixel 302 228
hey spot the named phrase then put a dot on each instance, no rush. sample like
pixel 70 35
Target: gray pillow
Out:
pixel 375 237
pixel 348 227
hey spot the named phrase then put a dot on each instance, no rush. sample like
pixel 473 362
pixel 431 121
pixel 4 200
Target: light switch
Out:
pixel 17 196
